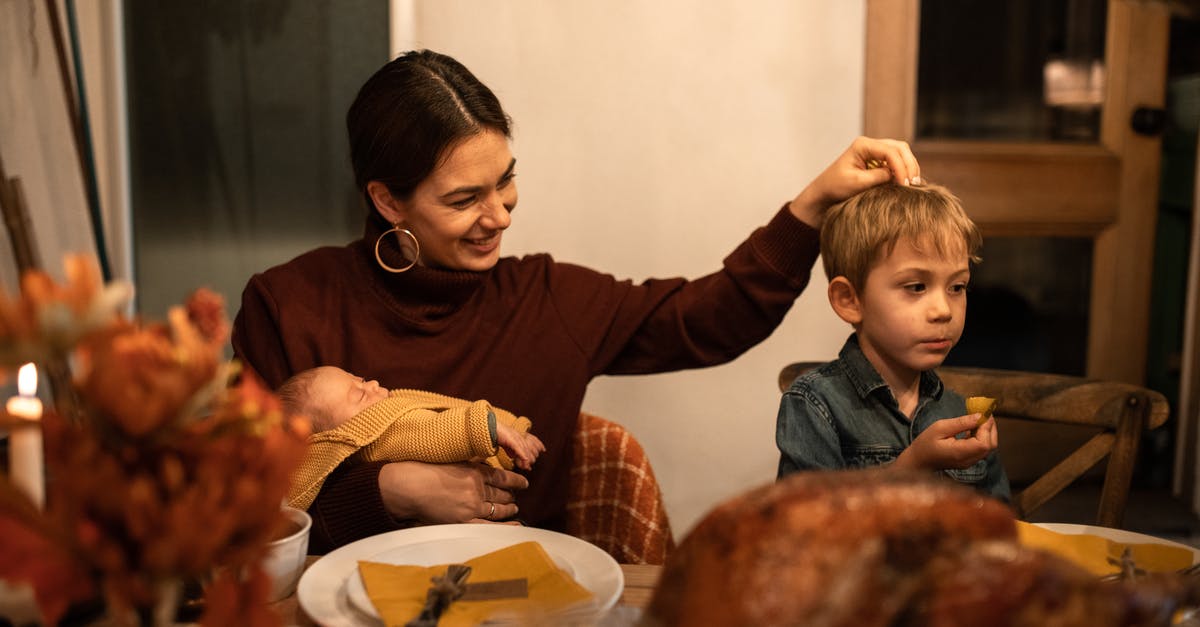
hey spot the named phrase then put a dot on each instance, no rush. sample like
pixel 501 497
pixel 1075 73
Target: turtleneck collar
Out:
pixel 423 296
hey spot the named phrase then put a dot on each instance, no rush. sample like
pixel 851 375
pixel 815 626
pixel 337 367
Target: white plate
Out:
pixel 325 588
pixel 441 551
pixel 1117 535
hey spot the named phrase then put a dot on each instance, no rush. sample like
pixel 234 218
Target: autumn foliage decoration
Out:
pixel 173 470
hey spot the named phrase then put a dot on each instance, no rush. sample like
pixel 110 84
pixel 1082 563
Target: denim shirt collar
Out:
pixel 866 379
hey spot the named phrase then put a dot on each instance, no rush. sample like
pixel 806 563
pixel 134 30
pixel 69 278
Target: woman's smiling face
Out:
pixel 459 212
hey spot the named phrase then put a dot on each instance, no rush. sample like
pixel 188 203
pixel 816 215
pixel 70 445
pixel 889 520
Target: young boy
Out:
pixel 352 416
pixel 898 261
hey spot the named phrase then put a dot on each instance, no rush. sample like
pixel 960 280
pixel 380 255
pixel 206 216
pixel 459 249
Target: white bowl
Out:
pixel 285 560
pixel 18 605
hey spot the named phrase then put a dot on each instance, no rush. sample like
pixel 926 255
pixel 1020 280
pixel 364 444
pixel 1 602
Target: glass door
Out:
pixel 1026 109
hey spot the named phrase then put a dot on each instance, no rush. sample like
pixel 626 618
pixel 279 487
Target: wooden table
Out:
pixel 640 580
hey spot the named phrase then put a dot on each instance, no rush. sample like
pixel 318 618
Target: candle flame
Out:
pixel 27 380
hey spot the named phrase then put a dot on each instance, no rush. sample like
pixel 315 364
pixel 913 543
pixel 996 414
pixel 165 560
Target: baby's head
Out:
pixel 859 233
pixel 328 395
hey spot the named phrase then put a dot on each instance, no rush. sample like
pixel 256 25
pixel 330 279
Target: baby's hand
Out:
pixel 522 446
pixel 939 448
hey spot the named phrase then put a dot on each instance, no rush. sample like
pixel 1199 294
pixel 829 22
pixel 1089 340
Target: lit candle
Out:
pixel 25 454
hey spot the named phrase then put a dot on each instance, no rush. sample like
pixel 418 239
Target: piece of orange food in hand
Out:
pixel 983 406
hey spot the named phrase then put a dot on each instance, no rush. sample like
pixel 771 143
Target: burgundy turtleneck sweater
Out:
pixel 527 335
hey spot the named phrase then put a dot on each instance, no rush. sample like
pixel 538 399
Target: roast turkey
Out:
pixel 875 547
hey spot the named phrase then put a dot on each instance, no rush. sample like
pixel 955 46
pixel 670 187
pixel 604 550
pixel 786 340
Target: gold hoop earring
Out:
pixel 416 249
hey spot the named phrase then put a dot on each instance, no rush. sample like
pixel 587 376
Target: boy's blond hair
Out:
pixel 862 230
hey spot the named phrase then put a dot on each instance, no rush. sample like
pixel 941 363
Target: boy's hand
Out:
pixel 522 446
pixel 939 448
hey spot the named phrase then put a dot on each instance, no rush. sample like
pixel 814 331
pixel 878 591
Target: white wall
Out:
pixel 651 138
pixel 37 144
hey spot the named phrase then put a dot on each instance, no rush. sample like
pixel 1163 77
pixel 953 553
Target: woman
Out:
pixel 425 301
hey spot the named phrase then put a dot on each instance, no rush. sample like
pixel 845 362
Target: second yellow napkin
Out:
pixel 398 592
pixel 1094 552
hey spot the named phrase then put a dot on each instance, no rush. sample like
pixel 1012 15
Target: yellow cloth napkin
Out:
pixel 1093 552
pixel 398 592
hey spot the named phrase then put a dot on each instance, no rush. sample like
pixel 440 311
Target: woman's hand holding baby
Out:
pixel 939 448
pixel 449 493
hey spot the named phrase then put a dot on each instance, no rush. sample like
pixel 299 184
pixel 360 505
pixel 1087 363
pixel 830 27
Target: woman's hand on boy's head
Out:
pixel 522 446
pixel 939 448
pixel 854 171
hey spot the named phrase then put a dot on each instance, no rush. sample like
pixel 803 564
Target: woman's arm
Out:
pixel 361 500
pixel 449 493
pixel 349 507
pixel 663 325
pixel 256 336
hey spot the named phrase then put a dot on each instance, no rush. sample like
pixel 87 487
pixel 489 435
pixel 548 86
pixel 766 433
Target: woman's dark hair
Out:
pixel 409 112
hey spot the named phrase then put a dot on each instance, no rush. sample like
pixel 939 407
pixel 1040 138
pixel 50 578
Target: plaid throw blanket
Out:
pixel 614 501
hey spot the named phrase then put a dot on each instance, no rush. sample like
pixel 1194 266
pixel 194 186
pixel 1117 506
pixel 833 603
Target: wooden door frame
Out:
pixel 1107 191
pixel 1187 440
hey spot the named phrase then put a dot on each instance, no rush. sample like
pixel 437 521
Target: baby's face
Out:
pixel 341 395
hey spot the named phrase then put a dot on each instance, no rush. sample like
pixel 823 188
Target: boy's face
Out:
pixel 912 309
pixel 340 396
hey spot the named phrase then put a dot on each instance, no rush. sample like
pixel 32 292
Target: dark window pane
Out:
pixel 238 150
pixel 1020 70
pixel 1027 307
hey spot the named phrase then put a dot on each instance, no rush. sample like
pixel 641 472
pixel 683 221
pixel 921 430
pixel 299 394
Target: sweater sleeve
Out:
pixel 663 325
pixel 349 507
pixel 439 435
pixel 256 335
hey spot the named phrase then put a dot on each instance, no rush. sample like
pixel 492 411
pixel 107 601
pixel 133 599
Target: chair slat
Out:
pixel 1063 474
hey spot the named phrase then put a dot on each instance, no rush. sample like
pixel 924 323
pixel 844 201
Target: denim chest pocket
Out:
pixel 867 456
pixel 971 474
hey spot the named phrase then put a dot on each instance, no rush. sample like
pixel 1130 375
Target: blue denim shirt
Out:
pixel 843 415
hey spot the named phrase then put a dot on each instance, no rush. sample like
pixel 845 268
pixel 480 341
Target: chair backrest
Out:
pixel 614 500
pixel 1115 413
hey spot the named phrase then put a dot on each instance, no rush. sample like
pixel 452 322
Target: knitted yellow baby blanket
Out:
pixel 410 425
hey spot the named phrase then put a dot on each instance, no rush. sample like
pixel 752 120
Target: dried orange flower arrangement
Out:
pixel 164 471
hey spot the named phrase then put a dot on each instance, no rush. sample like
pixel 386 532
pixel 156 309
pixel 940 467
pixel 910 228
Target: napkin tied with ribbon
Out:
pixel 399 592
pixel 1102 556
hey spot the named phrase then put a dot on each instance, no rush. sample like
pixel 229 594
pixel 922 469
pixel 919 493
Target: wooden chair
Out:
pixel 1113 414
pixel 614 500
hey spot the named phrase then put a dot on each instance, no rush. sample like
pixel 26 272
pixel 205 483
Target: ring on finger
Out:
pixel 491 512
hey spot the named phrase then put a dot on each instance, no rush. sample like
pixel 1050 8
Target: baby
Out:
pixel 354 417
